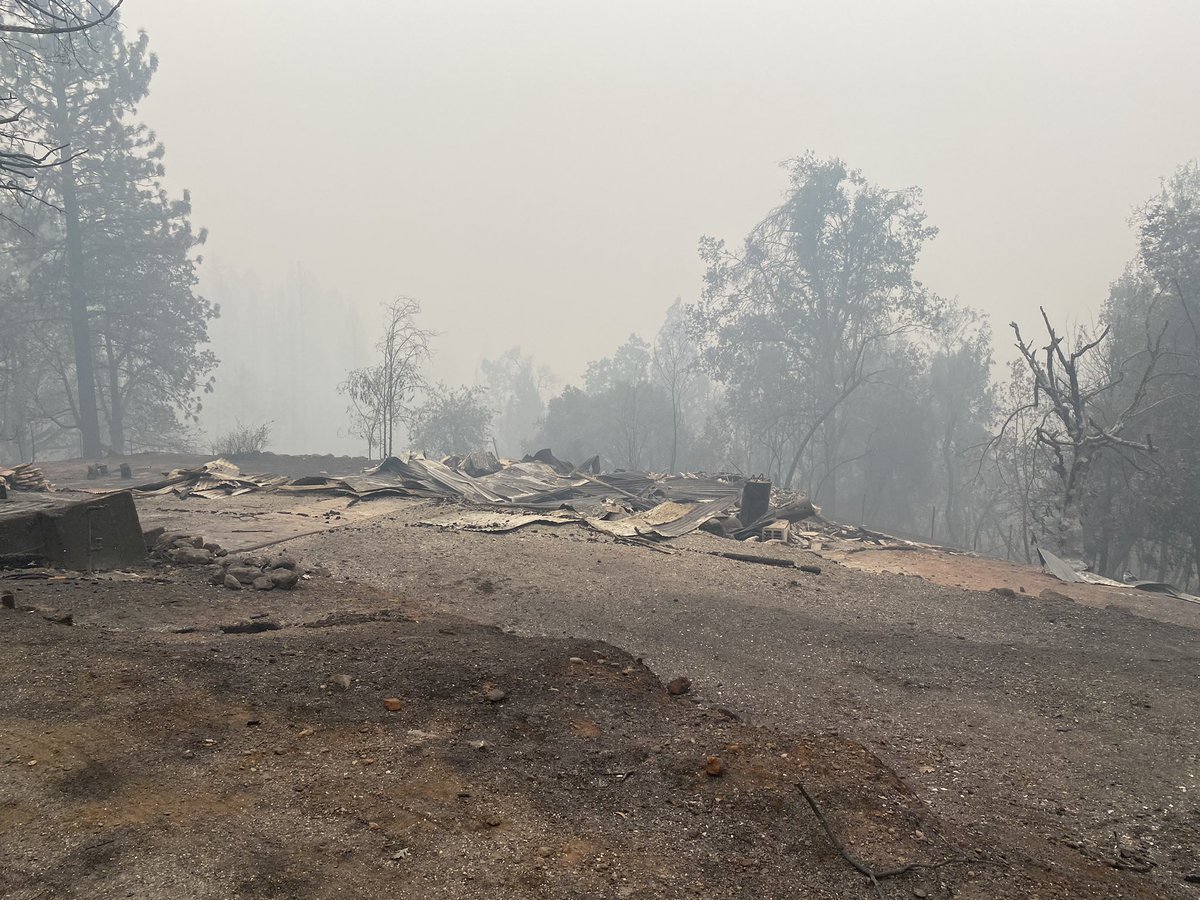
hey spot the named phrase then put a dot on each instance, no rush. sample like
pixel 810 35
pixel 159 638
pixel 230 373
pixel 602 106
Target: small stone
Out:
pixel 190 556
pixel 920 892
pixel 679 686
pixel 576 661
pixel 232 583
pixel 284 579
pixel 166 540
pixel 714 767
pixel 211 546
pixel 493 821
pixel 393 704
pixel 197 542
pixel 189 754
pixel 244 574
pixel 341 682
pixel 218 577
pixel 481 745
pixel 283 561
pixel 496 695
pixel 544 852
pixel 305 732
pixel 263 583
pixel 31 763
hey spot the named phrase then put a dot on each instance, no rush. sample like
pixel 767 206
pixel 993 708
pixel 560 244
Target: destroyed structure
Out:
pixel 503 496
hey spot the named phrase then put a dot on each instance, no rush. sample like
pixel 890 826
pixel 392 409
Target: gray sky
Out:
pixel 539 172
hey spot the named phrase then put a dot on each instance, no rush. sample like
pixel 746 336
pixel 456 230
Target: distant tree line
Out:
pixel 813 356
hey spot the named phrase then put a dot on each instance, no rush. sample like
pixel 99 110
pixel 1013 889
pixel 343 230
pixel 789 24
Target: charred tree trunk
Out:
pixel 116 405
pixel 85 376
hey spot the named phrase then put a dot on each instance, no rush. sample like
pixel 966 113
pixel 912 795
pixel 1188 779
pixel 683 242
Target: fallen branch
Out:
pixel 751 558
pixel 888 547
pixel 861 867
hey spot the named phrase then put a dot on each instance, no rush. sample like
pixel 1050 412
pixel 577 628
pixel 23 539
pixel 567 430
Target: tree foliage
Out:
pixel 108 257
pixel 820 286
pixel 452 421
pixel 515 386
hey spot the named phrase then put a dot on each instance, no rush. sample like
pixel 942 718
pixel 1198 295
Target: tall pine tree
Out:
pixel 109 251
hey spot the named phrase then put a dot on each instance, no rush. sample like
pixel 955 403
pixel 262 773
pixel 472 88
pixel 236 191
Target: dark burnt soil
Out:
pixel 147 753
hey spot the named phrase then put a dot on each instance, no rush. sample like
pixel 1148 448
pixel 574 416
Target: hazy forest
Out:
pixel 810 353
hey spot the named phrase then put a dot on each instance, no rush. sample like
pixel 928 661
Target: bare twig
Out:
pixel 859 865
pixel 32 10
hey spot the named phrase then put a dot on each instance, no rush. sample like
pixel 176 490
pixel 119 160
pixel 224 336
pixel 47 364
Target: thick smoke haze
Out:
pixel 539 173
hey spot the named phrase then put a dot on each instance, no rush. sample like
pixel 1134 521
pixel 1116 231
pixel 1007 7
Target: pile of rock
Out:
pixel 182 549
pixel 261 573
pixel 269 572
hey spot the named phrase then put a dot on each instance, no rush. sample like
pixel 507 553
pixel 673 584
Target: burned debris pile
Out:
pixel 507 494
pixel 543 489
pixel 218 478
pixel 24 477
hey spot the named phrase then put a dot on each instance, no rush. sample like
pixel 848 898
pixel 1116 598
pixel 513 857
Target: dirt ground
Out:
pixel 979 573
pixel 1026 746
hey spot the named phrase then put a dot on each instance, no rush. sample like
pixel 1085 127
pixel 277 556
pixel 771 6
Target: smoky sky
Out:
pixel 538 173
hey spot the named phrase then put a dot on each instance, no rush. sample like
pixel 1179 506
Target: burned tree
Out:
pixel 379 395
pixel 675 361
pixel 1079 426
pixel 24 149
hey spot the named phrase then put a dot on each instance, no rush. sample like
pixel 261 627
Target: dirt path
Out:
pixel 979 573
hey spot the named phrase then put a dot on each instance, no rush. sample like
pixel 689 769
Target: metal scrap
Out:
pixel 218 478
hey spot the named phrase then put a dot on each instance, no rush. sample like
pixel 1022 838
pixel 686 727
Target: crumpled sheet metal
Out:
pixel 664 521
pixel 698 488
pixel 620 504
pixel 668 519
pixel 217 478
pixel 535 482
